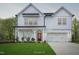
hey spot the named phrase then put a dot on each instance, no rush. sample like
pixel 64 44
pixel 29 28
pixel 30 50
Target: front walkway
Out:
pixel 65 48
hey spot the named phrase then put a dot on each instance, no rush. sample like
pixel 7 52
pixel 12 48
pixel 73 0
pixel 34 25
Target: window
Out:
pixel 61 20
pixel 30 20
pixel 64 20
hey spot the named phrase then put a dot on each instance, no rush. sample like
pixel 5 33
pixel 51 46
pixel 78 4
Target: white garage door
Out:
pixel 59 37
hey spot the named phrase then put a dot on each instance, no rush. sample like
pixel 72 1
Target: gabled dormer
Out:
pixel 30 16
pixel 63 12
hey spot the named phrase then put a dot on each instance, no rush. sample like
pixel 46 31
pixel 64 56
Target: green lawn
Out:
pixel 26 49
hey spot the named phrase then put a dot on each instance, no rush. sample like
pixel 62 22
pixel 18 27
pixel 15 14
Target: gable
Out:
pixel 63 12
pixel 30 9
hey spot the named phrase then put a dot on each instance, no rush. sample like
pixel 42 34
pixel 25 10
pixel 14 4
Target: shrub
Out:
pixel 38 41
pixel 73 39
pixel 28 39
pixel 44 41
pixel 25 41
pixel 16 39
pixel 22 39
pixel 19 42
pixel 1 36
pixel 33 39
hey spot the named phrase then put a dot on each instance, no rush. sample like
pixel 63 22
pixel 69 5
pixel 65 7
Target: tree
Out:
pixel 6 28
pixel 75 30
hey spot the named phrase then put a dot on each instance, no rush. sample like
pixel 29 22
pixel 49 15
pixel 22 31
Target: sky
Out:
pixel 11 9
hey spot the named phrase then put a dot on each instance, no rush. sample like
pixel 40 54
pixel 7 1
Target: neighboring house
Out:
pixel 32 23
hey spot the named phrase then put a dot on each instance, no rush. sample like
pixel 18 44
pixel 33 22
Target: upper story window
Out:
pixel 30 20
pixel 61 20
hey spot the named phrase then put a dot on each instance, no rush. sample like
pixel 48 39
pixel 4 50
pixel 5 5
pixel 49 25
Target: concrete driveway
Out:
pixel 65 48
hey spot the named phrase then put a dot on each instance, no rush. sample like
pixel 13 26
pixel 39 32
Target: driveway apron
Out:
pixel 65 48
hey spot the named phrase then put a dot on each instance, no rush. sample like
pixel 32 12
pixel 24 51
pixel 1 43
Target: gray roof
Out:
pixel 64 9
pixel 28 7
pixel 47 13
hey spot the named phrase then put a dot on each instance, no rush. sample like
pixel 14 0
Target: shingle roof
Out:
pixel 28 7
pixel 49 12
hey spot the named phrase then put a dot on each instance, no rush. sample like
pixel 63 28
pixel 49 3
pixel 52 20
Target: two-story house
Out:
pixel 31 22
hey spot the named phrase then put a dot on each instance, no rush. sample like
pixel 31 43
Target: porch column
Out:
pixel 44 34
pixel 19 36
pixel 35 35
pixel 16 34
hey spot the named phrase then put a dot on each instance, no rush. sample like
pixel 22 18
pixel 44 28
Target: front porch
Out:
pixel 32 33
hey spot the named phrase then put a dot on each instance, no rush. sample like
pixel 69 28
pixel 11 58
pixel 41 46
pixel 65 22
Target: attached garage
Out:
pixel 58 37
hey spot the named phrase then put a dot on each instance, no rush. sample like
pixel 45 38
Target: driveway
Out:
pixel 65 48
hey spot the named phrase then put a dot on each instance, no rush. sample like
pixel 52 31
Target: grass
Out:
pixel 26 49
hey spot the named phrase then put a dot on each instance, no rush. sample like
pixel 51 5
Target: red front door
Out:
pixel 39 36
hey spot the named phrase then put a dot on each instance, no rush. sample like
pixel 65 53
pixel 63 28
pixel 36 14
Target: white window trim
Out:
pixel 62 20
pixel 27 21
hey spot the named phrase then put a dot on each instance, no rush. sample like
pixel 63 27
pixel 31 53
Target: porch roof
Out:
pixel 29 26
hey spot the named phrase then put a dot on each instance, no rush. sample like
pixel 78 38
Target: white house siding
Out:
pixel 41 21
pixel 51 22
pixel 20 20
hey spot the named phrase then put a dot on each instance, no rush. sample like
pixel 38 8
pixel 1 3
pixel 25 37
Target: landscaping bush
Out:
pixel 25 41
pixel 38 41
pixel 16 39
pixel 1 36
pixel 33 39
pixel 75 39
pixel 72 38
pixel 44 41
pixel 19 42
pixel 22 39
pixel 28 39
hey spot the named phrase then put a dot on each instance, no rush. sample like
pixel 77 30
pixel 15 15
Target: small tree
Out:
pixel 75 30
pixel 6 28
